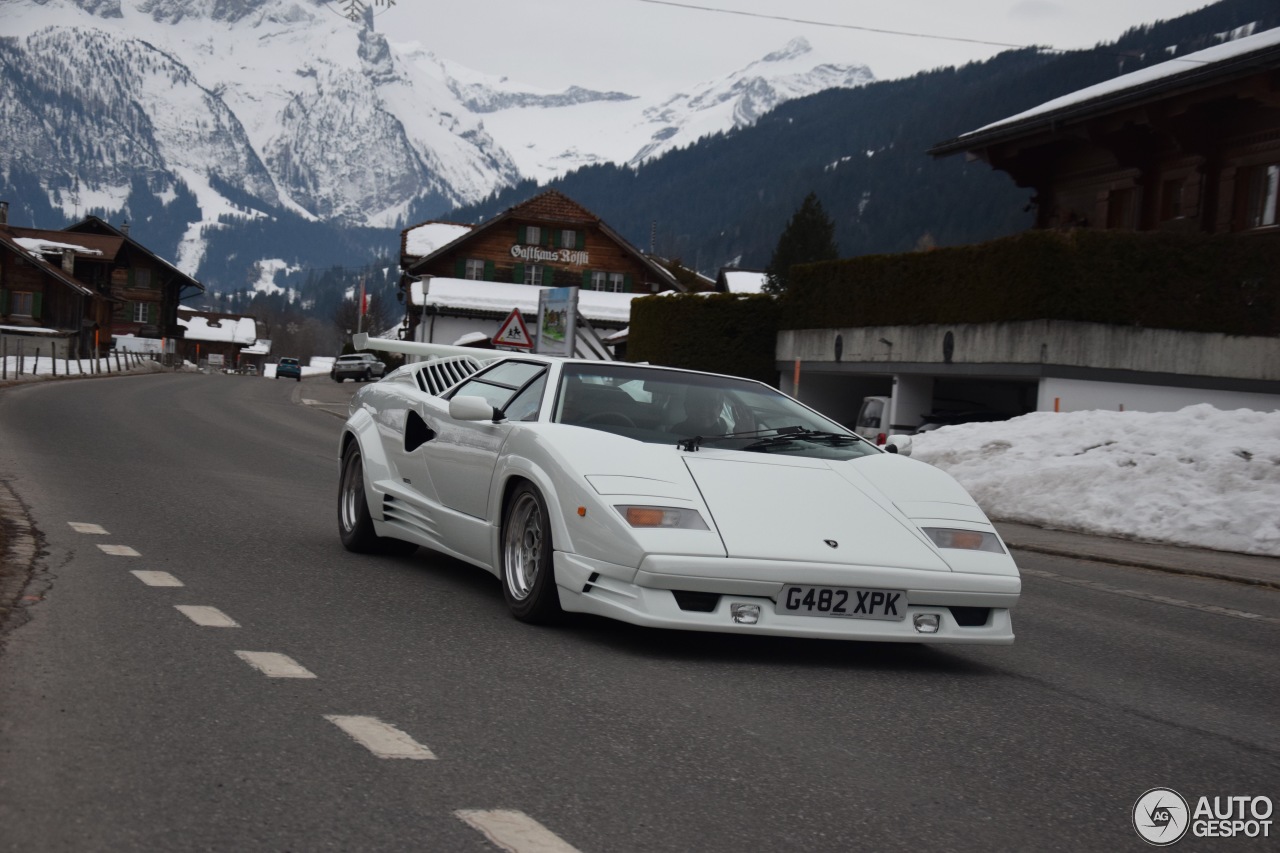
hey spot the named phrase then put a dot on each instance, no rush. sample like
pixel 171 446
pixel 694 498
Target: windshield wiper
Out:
pixel 694 443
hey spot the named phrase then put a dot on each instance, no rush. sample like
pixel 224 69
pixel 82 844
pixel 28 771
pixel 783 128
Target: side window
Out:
pixel 525 405
pixel 501 383
pixel 533 235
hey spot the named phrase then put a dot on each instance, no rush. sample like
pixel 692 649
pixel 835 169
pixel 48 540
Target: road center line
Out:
pixel 209 617
pixel 275 665
pixel 514 831
pixel 157 578
pixel 1152 597
pixel 119 551
pixel 382 739
pixel 85 527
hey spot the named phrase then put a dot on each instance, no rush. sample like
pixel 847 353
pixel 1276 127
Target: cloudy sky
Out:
pixel 659 47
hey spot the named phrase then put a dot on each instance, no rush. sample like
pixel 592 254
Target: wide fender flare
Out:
pixel 360 427
pixel 555 491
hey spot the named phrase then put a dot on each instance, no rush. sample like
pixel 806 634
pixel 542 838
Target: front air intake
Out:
pixel 696 602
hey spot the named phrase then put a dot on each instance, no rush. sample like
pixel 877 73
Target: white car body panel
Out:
pixel 773 518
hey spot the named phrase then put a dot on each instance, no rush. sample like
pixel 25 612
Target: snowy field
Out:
pixel 1199 476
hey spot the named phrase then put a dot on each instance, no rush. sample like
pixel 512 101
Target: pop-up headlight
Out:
pixel 669 517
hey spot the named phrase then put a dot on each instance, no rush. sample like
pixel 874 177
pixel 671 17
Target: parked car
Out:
pixel 289 368
pixel 361 365
pixel 666 498
pixel 873 419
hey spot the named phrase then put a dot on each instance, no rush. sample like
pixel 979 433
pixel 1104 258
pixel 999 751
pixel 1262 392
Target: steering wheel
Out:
pixel 608 419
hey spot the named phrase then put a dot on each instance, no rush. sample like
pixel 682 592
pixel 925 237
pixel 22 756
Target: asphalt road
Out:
pixel 126 725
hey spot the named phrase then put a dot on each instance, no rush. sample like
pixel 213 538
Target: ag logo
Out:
pixel 1161 816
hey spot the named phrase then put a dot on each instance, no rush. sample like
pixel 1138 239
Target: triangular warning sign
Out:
pixel 512 332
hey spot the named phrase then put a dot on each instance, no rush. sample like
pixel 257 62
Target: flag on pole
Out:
pixel 364 300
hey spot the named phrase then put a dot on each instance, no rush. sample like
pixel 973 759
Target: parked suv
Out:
pixel 289 368
pixel 361 365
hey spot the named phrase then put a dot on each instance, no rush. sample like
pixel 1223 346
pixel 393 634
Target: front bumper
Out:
pixel 647 597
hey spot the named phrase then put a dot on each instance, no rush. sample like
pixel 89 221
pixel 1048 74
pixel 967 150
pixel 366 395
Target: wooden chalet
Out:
pixel 1192 144
pixel 84 285
pixel 548 241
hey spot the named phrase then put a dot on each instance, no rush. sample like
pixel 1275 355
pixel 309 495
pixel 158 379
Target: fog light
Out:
pixel 745 614
pixel 926 623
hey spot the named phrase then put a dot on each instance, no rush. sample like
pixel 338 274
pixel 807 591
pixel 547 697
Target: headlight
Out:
pixel 965 540
pixel 663 516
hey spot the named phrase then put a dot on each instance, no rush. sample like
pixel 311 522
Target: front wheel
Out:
pixel 528 577
pixel 355 526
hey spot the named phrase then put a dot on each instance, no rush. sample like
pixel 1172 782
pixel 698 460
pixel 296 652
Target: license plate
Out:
pixel 843 602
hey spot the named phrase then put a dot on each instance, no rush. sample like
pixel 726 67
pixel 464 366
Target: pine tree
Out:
pixel 808 237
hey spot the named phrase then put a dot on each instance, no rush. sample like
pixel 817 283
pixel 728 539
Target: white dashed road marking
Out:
pixel 119 551
pixel 157 578
pixel 275 665
pixel 85 527
pixel 209 617
pixel 383 740
pixel 515 831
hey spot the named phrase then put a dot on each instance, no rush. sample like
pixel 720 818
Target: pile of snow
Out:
pixel 1200 476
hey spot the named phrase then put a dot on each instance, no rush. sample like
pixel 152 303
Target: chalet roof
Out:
pixel 734 280
pixel 418 241
pixel 213 326
pixel 499 297
pixel 552 207
pixel 9 242
pixel 93 247
pixel 1243 57
pixel 93 225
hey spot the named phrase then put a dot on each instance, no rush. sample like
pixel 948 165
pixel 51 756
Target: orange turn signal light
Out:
pixel 643 516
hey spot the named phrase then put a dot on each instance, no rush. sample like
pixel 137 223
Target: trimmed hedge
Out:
pixel 1198 283
pixel 721 333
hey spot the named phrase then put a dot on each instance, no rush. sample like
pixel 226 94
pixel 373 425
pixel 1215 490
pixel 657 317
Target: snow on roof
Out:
pixel 744 281
pixel 39 247
pixel 1145 76
pixel 260 347
pixel 240 330
pixel 501 297
pixel 471 338
pixel 422 240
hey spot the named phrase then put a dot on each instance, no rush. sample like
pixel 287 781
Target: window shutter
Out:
pixel 153 314
pixel 37 299
pixel 517 274
pixel 522 235
pixel 4 302
pixel 586 279
pixel 549 276
pixel 626 283
pixel 580 240
pixel 488 270
pixel 555 238
pixel 460 268
pixel 132 277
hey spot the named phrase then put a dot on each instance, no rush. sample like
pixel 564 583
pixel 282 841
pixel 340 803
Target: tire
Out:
pixel 368 374
pixel 528 572
pixel 355 526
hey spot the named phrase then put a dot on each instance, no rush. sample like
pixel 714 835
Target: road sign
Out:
pixel 513 333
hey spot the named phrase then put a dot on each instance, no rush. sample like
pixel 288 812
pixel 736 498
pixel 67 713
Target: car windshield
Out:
pixel 697 410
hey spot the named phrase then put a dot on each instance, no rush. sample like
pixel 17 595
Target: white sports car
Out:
pixel 667 498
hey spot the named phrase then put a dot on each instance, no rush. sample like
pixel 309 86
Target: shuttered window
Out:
pixel 22 304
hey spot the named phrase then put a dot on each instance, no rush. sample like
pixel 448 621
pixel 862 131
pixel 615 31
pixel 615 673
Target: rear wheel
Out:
pixel 528 576
pixel 355 526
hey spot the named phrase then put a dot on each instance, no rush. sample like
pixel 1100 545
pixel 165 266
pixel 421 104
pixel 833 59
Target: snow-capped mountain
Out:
pixel 262 105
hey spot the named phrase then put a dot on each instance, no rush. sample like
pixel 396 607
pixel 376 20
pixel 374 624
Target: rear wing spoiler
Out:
pixel 362 341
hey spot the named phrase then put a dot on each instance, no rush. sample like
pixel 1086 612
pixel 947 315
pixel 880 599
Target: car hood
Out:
pixel 823 511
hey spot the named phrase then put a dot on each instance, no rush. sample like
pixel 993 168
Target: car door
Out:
pixel 461 455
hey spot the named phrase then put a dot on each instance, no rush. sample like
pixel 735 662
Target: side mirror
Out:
pixel 900 444
pixel 473 409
